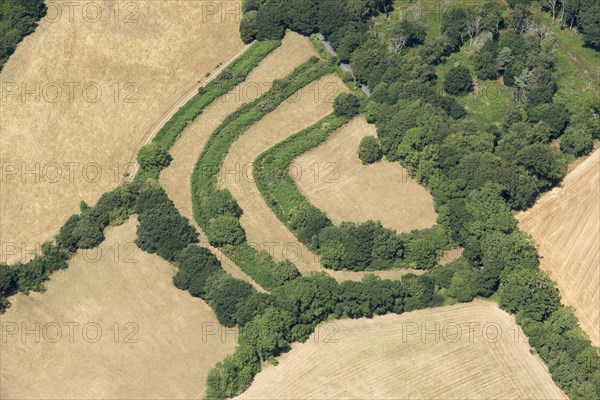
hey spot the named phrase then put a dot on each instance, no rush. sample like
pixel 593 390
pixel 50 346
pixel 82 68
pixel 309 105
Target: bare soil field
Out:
pixel 111 326
pixel 465 351
pixel 565 224
pixel 263 228
pixel 80 94
pixel 381 191
pixel 176 179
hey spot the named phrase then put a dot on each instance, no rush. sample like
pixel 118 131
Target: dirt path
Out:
pixel 176 179
pixel 464 351
pixel 381 191
pixel 111 326
pixel 167 116
pixel 565 224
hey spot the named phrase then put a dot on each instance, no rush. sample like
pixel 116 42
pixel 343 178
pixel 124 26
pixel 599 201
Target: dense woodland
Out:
pixel 477 175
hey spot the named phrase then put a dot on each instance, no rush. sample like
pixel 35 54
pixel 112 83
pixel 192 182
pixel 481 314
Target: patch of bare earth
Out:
pixel 465 351
pixel 565 224
pixel 176 179
pixel 111 326
pixel 79 96
pixel 334 179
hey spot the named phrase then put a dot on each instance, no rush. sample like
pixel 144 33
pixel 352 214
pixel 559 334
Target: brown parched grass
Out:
pixel 134 334
pixel 334 179
pixel 78 98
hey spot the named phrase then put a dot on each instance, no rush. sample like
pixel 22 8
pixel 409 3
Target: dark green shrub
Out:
pixel 31 275
pixel 346 105
pixel 153 157
pixel 369 150
pixel 232 375
pixel 529 292
pixel 226 295
pixel 308 222
pixel 463 285
pixel 285 271
pixel 196 264
pixel 8 280
pixel 270 20
pixel 249 26
pixel 268 333
pixel 225 229
pixel 589 22
pixel 221 202
pixel 555 115
pixel 161 230
pixel 577 141
pixel 254 305
pixel 458 81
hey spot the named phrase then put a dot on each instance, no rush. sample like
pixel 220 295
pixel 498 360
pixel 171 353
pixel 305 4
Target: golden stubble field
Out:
pixel 334 179
pixel 464 351
pixel 111 326
pixel 176 179
pixel 80 94
pixel 565 224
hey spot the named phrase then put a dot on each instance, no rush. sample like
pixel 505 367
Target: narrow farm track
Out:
pixel 571 254
pixel 176 179
pixel 135 167
pixel 381 191
pixel 464 351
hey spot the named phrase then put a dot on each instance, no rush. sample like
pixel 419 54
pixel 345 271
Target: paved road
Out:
pixel 345 67
pixel 174 108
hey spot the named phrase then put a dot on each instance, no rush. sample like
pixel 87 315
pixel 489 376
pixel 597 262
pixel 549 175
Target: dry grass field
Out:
pixel 79 95
pixel 381 191
pixel 565 224
pixel 166 351
pixel 176 179
pixel 401 356
pixel 263 229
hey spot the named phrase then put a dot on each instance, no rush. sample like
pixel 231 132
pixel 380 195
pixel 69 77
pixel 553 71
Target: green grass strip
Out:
pixel 270 170
pixel 257 264
pixel 231 76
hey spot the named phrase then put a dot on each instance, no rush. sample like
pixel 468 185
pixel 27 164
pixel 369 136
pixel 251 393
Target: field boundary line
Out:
pixel 171 111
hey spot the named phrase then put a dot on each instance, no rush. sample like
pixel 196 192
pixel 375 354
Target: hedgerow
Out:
pixel 351 246
pixel 216 210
